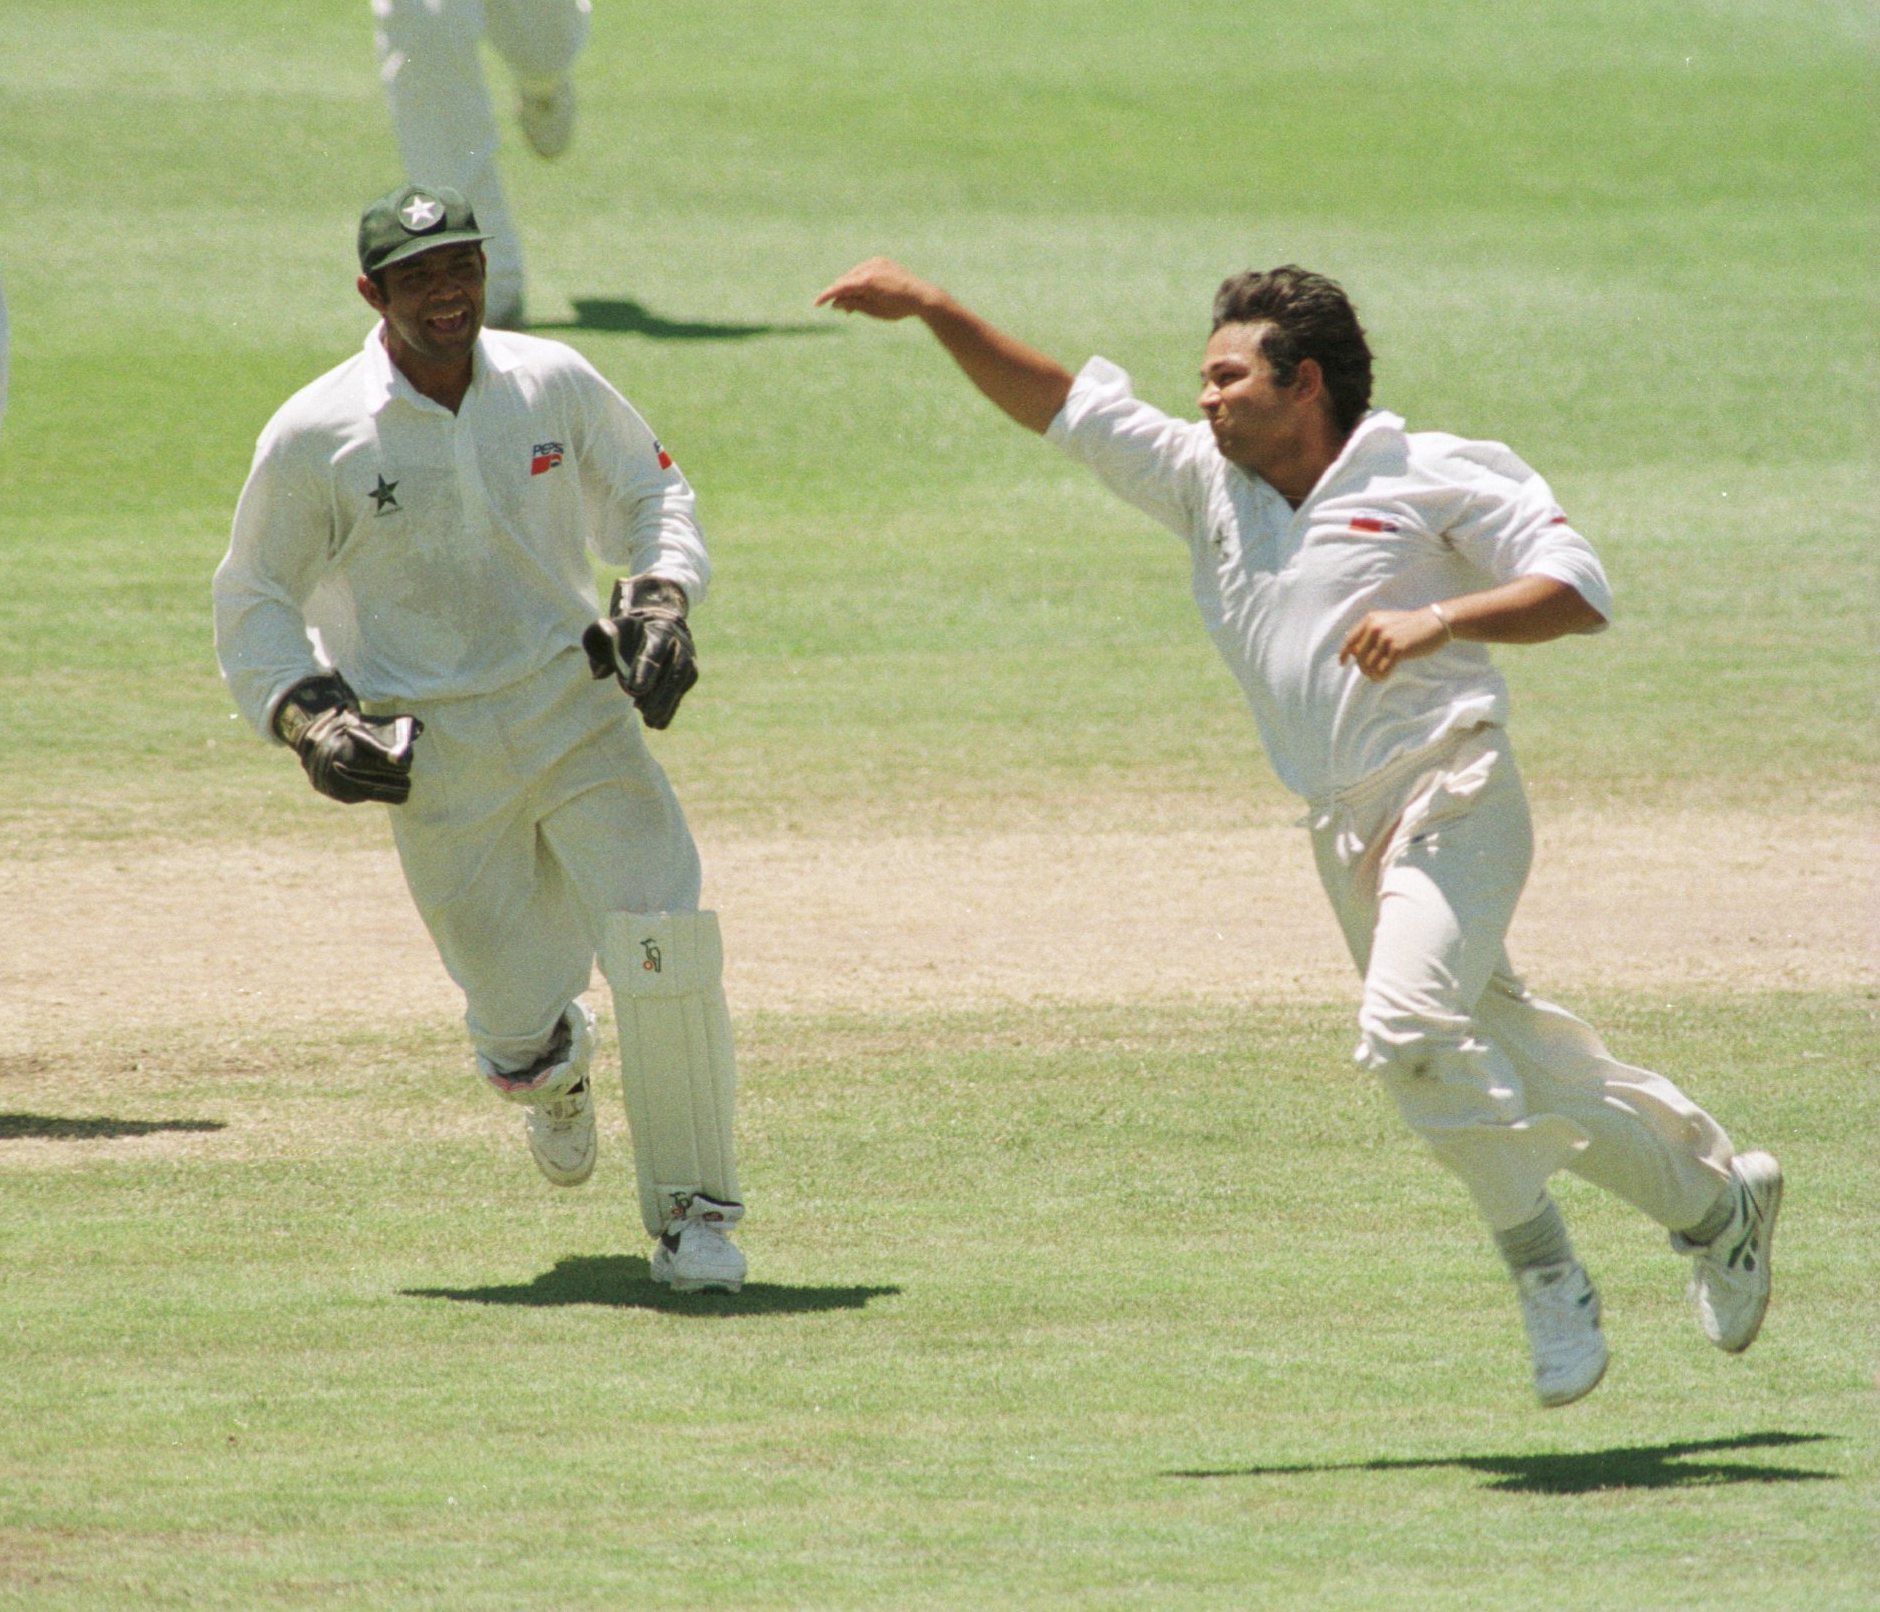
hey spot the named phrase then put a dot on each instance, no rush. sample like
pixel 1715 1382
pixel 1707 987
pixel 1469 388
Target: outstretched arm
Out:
pixel 1024 382
pixel 1528 610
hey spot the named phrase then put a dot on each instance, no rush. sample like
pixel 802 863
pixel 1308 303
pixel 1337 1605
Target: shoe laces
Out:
pixel 565 1110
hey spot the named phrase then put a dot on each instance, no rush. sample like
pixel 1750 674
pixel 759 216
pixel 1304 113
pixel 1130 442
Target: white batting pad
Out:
pixel 676 1063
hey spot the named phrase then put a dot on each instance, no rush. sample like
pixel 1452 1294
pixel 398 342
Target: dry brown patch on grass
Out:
pixel 194 1095
pixel 264 938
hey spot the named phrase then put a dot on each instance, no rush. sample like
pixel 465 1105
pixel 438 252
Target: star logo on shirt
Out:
pixel 383 496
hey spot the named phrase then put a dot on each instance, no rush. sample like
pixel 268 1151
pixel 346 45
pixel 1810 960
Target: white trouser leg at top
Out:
pixel 676 1063
pixel 443 121
pixel 538 39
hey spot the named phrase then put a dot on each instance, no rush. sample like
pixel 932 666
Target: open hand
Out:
pixel 880 288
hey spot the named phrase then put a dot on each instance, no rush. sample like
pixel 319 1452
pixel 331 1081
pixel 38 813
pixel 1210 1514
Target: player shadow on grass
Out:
pixel 625 1282
pixel 1637 1466
pixel 623 315
pixel 57 1127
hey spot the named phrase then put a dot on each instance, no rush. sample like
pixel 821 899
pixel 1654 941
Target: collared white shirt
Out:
pixel 434 554
pixel 1400 520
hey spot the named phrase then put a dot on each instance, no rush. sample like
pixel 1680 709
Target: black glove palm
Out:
pixel 643 640
pixel 348 757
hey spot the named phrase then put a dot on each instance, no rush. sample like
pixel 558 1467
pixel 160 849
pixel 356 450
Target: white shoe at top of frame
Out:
pixel 545 112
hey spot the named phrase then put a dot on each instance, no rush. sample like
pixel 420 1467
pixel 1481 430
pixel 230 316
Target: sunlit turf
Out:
pixel 1151 1306
pixel 1644 268
pixel 1092 1307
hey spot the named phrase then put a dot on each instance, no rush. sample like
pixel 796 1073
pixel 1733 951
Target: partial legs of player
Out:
pixel 1424 871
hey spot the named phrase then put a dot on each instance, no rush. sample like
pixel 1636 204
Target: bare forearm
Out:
pixel 1024 382
pixel 1028 385
pixel 1528 610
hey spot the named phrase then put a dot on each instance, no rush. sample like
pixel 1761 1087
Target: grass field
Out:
pixel 1142 1303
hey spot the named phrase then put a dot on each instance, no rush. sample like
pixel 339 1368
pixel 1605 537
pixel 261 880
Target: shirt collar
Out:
pixel 1378 428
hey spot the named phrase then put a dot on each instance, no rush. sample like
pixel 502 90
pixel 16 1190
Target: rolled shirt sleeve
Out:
pixel 1152 460
pixel 1510 525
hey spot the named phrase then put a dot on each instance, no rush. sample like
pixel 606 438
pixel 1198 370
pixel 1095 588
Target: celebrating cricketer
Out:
pixel 408 604
pixel 1352 572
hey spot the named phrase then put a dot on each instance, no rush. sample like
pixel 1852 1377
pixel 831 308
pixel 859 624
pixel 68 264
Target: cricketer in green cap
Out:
pixel 422 257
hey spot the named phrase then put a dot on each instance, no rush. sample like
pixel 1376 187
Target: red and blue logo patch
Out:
pixel 547 455
pixel 665 459
pixel 1374 523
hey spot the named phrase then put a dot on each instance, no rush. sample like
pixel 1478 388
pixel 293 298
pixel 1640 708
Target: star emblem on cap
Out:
pixel 383 496
pixel 420 213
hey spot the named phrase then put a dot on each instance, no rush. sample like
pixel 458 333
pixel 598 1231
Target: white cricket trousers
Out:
pixel 1424 862
pixel 440 103
pixel 533 811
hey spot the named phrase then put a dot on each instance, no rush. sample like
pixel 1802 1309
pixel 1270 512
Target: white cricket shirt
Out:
pixel 1400 520
pixel 437 554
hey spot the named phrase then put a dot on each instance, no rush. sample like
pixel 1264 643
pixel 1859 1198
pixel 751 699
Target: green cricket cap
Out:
pixel 414 219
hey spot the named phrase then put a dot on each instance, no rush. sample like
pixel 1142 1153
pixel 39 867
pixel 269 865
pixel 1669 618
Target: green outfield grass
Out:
pixel 1630 240
pixel 1144 1306
pixel 1073 1308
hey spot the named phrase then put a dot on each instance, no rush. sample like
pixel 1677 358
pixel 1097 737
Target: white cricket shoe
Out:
pixel 1560 1310
pixel 554 1089
pixel 1730 1274
pixel 545 111
pixel 563 1137
pixel 697 1253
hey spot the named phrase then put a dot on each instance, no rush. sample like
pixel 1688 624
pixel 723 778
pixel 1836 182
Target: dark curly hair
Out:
pixel 1306 316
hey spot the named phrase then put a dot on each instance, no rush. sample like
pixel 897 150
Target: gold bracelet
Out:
pixel 1449 627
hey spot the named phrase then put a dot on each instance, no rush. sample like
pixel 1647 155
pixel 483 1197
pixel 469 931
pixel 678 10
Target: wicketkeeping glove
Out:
pixel 643 640
pixel 350 757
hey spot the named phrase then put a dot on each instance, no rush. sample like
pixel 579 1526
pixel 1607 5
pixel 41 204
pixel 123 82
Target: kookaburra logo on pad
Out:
pixel 420 213
pixel 651 948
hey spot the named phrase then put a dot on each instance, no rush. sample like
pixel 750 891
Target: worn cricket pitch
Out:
pixel 1647 900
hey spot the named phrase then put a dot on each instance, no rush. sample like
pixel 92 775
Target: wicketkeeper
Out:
pixel 408 604
pixel 1351 572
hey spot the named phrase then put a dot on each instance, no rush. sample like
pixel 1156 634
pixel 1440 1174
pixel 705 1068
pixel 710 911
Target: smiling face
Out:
pixel 432 305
